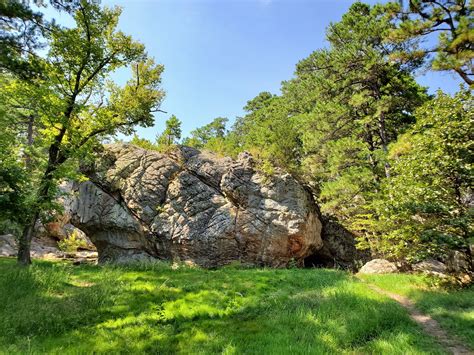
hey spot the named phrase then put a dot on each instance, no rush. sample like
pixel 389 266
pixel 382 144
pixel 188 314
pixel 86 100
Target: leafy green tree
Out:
pixel 427 209
pixel 451 20
pixel 143 143
pixel 172 133
pixel 14 182
pixel 268 131
pixel 214 131
pixel 20 151
pixel 76 106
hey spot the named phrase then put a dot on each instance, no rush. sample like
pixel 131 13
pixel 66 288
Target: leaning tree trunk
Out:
pixel 24 243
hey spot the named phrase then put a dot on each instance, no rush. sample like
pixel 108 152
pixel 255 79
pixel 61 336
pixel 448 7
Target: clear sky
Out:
pixel 218 54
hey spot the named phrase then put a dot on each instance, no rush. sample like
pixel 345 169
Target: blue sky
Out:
pixel 218 54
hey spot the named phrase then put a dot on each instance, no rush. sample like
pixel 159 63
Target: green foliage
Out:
pixel 73 105
pixel 142 143
pixel 155 309
pixel 209 134
pixel 72 242
pixel 170 135
pixel 16 157
pixel 334 121
pixel 268 131
pixel 20 36
pixel 425 207
pixel 450 19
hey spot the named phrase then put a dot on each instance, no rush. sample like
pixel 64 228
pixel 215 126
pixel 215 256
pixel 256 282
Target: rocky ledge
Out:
pixel 194 207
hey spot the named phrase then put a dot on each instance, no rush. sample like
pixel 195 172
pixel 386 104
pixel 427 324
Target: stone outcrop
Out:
pixel 194 207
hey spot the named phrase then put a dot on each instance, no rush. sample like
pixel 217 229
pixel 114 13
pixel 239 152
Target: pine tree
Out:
pixel 418 20
pixel 172 133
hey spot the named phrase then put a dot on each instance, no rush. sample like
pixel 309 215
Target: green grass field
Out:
pixel 454 310
pixel 60 308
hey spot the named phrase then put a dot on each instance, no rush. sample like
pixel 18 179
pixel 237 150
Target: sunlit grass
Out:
pixel 453 309
pixel 60 308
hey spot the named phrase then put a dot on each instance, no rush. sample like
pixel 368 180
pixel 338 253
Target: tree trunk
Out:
pixel 384 140
pixel 24 242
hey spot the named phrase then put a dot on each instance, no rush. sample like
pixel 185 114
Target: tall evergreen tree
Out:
pixel 352 102
pixel 452 20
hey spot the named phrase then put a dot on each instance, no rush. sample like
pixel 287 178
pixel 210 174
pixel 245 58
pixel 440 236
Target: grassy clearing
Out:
pixel 454 310
pixel 60 308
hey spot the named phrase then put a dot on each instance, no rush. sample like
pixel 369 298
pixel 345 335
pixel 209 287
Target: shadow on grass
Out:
pixel 53 308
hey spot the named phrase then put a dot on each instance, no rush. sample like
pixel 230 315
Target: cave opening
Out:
pixel 319 260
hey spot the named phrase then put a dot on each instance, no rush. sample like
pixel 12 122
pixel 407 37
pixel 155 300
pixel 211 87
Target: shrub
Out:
pixel 72 242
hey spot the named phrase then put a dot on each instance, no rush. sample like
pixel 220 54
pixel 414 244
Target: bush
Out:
pixel 72 242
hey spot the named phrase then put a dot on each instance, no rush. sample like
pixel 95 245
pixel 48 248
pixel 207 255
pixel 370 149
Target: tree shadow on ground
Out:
pixel 92 309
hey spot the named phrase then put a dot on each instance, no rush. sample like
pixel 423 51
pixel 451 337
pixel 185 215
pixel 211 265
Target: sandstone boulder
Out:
pixel 378 266
pixel 8 245
pixel 459 262
pixel 194 207
pixel 430 266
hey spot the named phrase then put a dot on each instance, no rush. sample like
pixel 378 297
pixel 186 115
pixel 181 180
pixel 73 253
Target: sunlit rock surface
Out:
pixel 194 207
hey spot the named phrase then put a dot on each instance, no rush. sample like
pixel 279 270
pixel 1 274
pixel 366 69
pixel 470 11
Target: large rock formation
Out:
pixel 194 207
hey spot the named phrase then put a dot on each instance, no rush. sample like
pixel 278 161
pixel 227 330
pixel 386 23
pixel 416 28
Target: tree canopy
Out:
pixel 451 20
pixel 73 104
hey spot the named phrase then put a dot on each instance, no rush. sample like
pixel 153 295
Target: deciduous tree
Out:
pixel 76 103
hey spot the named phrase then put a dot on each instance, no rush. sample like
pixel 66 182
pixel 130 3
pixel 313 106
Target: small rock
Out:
pixel 465 279
pixel 378 266
pixel 7 245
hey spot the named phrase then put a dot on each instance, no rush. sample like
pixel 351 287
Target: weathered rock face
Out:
pixel 430 267
pixel 194 207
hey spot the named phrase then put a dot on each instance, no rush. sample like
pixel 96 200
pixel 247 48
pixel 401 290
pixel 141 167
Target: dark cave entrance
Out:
pixel 319 260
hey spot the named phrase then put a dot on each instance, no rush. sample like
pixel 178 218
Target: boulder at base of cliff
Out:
pixel 431 267
pixel 378 266
pixel 8 245
pixel 194 207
